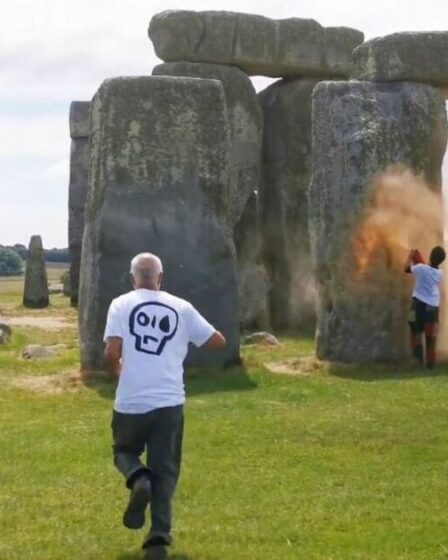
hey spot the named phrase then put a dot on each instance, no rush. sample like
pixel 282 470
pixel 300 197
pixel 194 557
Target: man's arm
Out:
pixel 112 353
pixel 216 341
pixel 201 332
pixel 414 258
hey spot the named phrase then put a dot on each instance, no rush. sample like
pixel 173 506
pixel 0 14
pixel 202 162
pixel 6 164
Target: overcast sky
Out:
pixel 54 51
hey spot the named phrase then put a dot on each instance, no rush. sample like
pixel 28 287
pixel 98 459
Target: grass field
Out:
pixel 331 463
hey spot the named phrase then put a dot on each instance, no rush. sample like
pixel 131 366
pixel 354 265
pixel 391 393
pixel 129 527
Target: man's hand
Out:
pixel 216 341
pixel 413 255
pixel 112 353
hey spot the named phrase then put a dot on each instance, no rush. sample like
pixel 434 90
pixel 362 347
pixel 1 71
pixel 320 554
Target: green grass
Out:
pixel 345 463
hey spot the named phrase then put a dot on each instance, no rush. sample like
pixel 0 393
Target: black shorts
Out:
pixel 420 314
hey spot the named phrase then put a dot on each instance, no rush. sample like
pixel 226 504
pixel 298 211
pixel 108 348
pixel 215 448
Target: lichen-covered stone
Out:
pixel 359 130
pixel 160 181
pixel 253 277
pixel 77 192
pixel 79 120
pixel 35 294
pixel 66 287
pixel 255 44
pixel 286 175
pixel 412 56
pixel 246 124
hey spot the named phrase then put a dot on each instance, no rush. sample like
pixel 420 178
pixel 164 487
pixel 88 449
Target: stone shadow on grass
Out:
pixel 198 381
pixel 384 372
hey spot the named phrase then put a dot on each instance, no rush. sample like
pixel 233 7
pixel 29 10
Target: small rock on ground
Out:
pixel 55 288
pixel 5 333
pixel 262 338
pixel 37 351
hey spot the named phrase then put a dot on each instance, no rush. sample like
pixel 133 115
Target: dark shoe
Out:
pixel 155 552
pixel 155 548
pixel 134 516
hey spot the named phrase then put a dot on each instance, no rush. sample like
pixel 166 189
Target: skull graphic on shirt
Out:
pixel 152 324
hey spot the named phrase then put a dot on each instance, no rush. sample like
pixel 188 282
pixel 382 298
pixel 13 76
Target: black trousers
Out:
pixel 423 318
pixel 159 433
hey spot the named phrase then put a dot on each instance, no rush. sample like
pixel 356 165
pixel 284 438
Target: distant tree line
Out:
pixel 12 258
pixel 11 263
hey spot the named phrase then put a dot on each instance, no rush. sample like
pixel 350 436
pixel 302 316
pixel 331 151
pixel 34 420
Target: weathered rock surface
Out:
pixel 160 182
pixel 79 161
pixel 253 278
pixel 38 351
pixel 359 129
pixel 5 333
pixel 79 119
pixel 284 197
pixel 262 338
pixel 246 123
pixel 66 287
pixel 255 44
pixel 55 288
pixel 77 194
pixel 35 293
pixel 412 56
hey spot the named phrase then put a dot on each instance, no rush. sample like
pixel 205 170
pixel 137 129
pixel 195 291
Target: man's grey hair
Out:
pixel 151 263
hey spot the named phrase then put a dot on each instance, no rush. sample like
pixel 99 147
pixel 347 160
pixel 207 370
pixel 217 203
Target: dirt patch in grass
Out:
pixel 68 382
pixel 303 365
pixel 48 323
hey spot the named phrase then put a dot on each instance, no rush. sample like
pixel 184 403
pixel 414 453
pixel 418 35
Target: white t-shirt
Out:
pixel 155 328
pixel 427 280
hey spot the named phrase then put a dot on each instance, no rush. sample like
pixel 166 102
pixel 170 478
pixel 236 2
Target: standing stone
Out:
pixel 160 181
pixel 253 278
pixel 418 57
pixel 359 130
pixel 66 287
pixel 246 124
pixel 286 175
pixel 77 194
pixel 35 293
pixel 255 44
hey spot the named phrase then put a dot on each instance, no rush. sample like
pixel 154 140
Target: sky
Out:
pixel 55 51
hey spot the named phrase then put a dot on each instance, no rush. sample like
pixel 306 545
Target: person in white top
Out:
pixel 424 311
pixel 147 335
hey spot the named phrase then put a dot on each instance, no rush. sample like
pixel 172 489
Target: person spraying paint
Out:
pixel 424 311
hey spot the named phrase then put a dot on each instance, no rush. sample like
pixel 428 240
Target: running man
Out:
pixel 147 336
